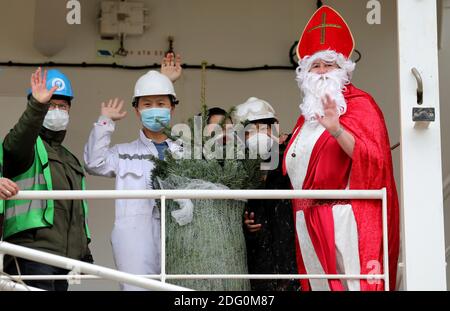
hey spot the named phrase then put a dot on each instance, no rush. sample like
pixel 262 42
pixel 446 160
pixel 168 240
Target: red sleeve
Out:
pixel 372 169
pixel 365 122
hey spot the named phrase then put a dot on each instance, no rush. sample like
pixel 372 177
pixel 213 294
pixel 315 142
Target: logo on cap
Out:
pixel 59 83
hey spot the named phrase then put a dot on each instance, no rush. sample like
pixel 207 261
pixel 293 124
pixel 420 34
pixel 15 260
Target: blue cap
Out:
pixel 57 78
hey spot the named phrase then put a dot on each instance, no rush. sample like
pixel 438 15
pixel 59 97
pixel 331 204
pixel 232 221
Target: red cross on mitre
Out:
pixel 326 30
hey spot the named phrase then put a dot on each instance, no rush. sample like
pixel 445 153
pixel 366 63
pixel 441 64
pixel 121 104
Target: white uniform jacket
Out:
pixel 136 233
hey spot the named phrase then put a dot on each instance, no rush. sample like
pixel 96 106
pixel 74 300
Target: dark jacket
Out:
pixel 67 236
pixel 271 250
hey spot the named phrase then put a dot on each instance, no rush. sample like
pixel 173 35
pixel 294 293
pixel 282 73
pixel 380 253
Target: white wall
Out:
pixel 233 33
pixel 444 67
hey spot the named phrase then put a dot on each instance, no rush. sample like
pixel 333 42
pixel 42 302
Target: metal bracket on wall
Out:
pixel 422 116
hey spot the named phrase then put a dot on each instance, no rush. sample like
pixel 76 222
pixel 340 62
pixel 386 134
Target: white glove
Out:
pixel 184 215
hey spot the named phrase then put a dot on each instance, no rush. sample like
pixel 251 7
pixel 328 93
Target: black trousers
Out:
pixel 28 267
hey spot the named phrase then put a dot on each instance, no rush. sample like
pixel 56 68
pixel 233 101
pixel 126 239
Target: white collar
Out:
pixel 150 143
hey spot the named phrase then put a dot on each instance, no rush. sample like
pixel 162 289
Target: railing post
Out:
pixel 163 239
pixel 385 240
pixel 422 212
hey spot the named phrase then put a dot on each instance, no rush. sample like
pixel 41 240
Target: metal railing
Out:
pixel 93 272
pixel 80 267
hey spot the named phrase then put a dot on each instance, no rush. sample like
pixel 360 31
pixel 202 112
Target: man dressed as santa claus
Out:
pixel 340 142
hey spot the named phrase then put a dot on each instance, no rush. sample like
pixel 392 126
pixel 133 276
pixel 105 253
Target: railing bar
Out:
pixel 83 267
pixel 7 285
pixel 205 276
pixel 385 241
pixel 263 277
pixel 163 239
pixel 199 194
pixel 208 194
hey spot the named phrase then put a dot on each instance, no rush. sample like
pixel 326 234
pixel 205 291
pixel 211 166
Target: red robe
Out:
pixel 370 168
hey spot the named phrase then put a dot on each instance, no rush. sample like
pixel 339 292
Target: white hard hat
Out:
pixel 153 83
pixel 252 110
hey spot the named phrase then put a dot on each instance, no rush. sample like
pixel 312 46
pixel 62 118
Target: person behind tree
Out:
pixel 269 225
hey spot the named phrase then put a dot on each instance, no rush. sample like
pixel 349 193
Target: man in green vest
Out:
pixel 35 159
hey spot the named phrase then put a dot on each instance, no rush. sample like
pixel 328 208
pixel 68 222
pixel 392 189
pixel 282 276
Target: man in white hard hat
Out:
pixel 269 224
pixel 136 233
pixel 259 138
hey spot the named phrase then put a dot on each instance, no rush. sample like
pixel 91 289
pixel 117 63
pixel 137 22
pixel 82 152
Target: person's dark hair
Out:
pixel 214 112
pixel 173 100
pixel 61 97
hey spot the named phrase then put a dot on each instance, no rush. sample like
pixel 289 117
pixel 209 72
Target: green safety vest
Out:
pixel 21 215
pixel 2 203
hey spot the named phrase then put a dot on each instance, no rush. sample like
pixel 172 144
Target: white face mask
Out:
pixel 260 144
pixel 56 120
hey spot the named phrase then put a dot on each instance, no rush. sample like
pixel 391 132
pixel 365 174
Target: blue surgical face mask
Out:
pixel 155 119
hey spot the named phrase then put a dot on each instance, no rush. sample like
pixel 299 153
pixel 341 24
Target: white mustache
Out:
pixel 316 86
pixel 318 83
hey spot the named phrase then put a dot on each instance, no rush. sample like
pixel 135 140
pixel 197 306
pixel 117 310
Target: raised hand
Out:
pixel 112 109
pixel 7 189
pixel 283 138
pixel 249 221
pixel 39 87
pixel 330 120
pixel 171 67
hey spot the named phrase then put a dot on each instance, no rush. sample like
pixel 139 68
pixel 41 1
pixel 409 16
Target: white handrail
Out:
pixel 384 223
pixel 206 276
pixel 92 273
pixel 163 238
pixel 84 267
pixel 199 194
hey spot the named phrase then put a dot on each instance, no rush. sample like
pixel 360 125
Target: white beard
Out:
pixel 316 86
